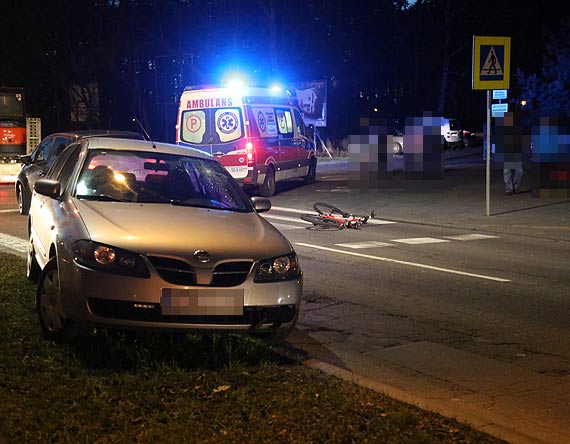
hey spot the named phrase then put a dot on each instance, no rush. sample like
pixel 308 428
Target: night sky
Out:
pixel 399 58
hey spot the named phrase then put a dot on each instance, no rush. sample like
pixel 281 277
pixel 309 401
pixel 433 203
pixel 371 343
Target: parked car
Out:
pixel 397 141
pixel 143 235
pixel 36 164
pixel 451 132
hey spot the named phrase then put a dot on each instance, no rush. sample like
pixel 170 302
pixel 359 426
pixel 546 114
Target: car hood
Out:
pixel 162 229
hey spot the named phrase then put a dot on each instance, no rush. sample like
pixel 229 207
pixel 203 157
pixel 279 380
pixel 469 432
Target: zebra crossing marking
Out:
pixel 369 244
pixel 284 227
pixel 420 240
pixel 469 237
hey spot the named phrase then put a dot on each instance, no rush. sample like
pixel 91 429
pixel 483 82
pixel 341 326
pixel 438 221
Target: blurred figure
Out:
pixel 551 154
pixel 423 142
pixel 513 139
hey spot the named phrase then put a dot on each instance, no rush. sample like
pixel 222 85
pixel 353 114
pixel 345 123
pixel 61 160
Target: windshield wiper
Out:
pixel 191 203
pixel 101 198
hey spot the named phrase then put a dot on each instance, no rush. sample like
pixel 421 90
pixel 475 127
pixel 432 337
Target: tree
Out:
pixel 551 88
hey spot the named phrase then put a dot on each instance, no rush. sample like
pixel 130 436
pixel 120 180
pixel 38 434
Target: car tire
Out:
pixel 311 176
pixel 23 200
pixel 397 148
pixel 53 321
pixel 267 189
pixel 33 270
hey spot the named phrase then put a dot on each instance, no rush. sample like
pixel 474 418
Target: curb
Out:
pixel 478 422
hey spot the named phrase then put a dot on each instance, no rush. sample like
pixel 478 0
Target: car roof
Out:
pixel 80 134
pixel 111 143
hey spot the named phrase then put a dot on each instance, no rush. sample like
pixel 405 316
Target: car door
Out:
pixel 45 211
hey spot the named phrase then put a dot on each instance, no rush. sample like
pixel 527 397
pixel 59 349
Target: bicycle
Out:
pixel 329 216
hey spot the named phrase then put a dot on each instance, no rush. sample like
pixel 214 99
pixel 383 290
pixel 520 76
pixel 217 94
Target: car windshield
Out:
pixel 146 177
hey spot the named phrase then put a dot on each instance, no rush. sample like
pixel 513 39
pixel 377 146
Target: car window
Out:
pixel 41 152
pixel 58 146
pixel 64 165
pixel 146 177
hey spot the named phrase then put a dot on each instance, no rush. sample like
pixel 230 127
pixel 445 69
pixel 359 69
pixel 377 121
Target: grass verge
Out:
pixel 112 387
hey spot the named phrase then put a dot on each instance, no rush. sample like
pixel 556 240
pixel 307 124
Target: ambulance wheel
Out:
pixel 267 189
pixel 311 176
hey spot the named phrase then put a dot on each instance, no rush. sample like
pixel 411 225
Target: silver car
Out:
pixel 135 234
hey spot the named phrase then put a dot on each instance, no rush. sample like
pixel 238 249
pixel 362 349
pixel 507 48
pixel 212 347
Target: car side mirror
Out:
pixel 261 204
pixel 48 187
pixel 26 160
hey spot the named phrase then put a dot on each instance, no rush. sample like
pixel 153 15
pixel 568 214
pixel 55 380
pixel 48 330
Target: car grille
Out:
pixel 230 274
pixel 152 313
pixel 177 272
pixel 174 271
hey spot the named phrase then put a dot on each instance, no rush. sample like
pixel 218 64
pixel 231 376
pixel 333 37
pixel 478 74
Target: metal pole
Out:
pixel 488 159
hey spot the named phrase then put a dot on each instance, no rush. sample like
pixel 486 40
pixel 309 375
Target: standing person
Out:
pixel 512 178
pixel 514 142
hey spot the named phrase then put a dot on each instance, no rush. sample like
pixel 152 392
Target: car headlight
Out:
pixel 281 268
pixel 109 259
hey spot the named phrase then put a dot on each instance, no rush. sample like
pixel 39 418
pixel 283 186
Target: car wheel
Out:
pixel 23 201
pixel 33 269
pixel 267 189
pixel 48 302
pixel 311 176
pixel 397 148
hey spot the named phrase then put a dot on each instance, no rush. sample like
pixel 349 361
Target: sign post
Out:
pixel 491 70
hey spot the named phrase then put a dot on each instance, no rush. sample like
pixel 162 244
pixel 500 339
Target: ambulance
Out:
pixel 257 134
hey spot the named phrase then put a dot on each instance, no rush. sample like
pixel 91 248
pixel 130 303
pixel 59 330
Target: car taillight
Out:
pixel 250 153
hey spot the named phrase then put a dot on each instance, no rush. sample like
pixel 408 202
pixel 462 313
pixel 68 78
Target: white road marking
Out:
pixel 14 243
pixel 9 211
pixel 369 244
pixel 380 222
pixel 291 210
pixel 411 264
pixel 468 237
pixel 420 240
pixel 285 218
pixel 283 227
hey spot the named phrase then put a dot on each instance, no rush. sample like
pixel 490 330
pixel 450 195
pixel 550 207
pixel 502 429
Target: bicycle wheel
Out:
pixel 325 208
pixel 321 223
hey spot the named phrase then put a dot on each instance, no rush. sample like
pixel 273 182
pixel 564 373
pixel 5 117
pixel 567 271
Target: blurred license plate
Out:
pixel 203 301
pixel 238 172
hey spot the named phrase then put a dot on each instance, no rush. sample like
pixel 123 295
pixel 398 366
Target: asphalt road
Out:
pixel 471 324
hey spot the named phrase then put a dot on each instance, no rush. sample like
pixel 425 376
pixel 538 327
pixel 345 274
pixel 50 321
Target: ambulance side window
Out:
pixel 284 122
pixel 300 124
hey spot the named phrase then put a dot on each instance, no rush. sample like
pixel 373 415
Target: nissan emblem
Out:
pixel 202 256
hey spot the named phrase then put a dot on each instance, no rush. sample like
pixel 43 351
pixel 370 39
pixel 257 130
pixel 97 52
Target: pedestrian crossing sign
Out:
pixel 491 62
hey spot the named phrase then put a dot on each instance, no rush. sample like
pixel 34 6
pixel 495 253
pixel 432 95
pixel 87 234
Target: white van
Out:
pixel 257 134
pixel 451 132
